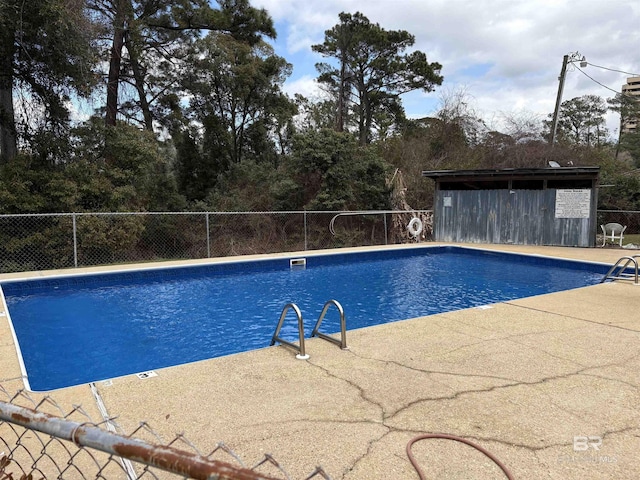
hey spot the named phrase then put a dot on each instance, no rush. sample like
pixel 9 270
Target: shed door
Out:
pixel 526 216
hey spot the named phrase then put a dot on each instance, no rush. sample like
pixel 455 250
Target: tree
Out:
pixel 330 171
pixel 581 121
pixel 372 72
pixel 139 177
pixel 236 111
pixel 314 114
pixel 338 42
pixel 194 173
pixel 46 56
pixel 459 122
pixel 150 39
pixel 630 146
pixel 236 96
pixel 628 106
pixel 522 126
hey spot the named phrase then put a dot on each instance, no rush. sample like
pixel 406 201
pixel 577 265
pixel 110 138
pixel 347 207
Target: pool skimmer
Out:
pixel 297 263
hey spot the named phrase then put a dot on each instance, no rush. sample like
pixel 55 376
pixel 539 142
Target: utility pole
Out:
pixel 573 57
pixel 563 72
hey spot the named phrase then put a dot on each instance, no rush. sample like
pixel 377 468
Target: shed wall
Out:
pixel 523 217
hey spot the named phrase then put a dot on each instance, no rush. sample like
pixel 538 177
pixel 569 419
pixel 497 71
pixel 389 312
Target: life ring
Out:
pixel 415 226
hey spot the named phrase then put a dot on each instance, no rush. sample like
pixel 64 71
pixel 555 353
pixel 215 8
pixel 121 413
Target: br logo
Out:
pixel 582 444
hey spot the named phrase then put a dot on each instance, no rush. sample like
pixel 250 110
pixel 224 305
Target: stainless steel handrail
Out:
pixel 370 212
pixel 621 275
pixel 299 348
pixel 342 343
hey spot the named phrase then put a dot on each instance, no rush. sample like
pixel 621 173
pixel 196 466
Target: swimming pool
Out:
pixel 83 328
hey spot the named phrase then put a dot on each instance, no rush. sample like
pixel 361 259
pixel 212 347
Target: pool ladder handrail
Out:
pixel 342 343
pixel 299 348
pixel 620 274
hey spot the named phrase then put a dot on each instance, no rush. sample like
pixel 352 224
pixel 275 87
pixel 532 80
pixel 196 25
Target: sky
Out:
pixel 504 56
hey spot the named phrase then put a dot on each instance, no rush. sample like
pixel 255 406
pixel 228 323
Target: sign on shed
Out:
pixel 573 203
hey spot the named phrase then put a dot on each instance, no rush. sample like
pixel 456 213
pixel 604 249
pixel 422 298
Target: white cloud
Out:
pixel 299 39
pixel 306 86
pixel 506 53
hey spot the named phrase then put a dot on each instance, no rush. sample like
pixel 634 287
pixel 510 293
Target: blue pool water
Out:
pixel 88 328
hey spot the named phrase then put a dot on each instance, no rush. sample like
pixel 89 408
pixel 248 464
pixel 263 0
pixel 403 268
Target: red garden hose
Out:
pixel 457 439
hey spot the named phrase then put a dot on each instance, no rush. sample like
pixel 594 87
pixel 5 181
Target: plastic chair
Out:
pixel 613 232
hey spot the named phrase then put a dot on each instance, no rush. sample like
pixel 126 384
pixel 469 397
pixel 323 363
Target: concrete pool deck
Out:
pixel 522 379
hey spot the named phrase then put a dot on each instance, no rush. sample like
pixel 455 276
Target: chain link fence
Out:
pixel 628 218
pixel 53 241
pixel 40 440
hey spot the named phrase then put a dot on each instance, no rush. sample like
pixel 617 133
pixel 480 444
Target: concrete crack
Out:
pixel 360 390
pixel 608 325
pixel 633 385
pixel 370 446
pixel 422 370
pixel 459 394
pixel 512 381
pixel 386 416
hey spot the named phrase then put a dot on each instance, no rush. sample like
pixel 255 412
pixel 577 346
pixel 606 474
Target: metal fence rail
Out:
pixel 38 444
pixel 67 240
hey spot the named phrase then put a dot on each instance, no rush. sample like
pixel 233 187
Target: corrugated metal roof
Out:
pixel 540 173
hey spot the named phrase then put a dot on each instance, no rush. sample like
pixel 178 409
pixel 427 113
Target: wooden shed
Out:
pixel 532 206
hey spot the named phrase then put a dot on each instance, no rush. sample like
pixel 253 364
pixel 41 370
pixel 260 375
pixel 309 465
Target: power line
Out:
pixel 613 69
pixel 594 80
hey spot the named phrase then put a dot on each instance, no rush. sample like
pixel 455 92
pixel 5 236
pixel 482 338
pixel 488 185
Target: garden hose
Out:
pixel 457 439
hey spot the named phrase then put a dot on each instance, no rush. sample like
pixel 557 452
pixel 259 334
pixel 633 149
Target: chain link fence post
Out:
pixel 75 241
pixel 208 237
pixel 305 231
pixel 386 230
